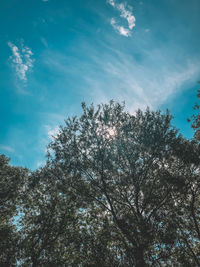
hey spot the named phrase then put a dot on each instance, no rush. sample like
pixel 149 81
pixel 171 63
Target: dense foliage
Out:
pixel 12 185
pixel 195 118
pixel 117 190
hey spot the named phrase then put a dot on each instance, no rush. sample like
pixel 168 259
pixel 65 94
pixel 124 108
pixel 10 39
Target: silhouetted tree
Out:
pixel 117 190
pixel 132 169
pixel 11 189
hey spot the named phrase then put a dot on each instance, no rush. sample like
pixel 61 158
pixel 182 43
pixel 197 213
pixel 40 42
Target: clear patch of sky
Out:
pixel 181 108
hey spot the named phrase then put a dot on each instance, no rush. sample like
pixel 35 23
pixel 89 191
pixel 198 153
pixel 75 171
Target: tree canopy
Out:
pixel 118 189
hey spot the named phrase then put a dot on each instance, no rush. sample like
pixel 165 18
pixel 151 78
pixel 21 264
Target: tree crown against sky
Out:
pixel 195 118
pixel 117 190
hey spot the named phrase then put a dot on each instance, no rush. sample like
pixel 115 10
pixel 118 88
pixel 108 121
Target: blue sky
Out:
pixel 57 53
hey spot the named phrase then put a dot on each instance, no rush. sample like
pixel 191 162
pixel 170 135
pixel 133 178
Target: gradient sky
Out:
pixel 57 53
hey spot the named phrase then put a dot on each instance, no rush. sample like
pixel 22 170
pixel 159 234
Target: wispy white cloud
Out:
pixel 126 13
pixel 7 148
pixel 111 2
pixel 141 86
pixel 44 42
pixel 140 76
pixel 120 29
pixel 21 60
pixel 52 131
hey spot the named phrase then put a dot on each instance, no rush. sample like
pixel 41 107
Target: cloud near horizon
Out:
pixel 7 148
pixel 21 60
pixel 52 132
pixel 126 79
